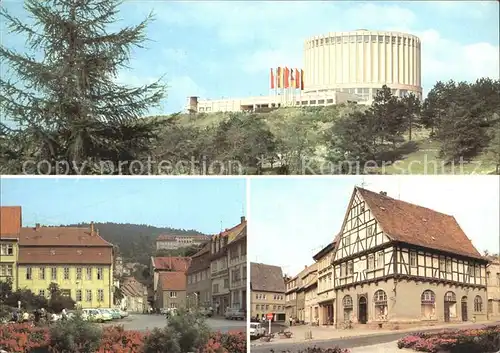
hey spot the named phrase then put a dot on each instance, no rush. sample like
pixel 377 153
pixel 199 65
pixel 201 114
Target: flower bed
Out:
pixel 23 338
pixel 455 341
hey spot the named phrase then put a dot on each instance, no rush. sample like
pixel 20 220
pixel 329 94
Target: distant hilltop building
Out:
pixel 170 242
pixel 339 67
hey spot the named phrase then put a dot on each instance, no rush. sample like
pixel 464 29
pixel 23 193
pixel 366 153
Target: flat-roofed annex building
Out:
pixel 398 263
pixel 267 288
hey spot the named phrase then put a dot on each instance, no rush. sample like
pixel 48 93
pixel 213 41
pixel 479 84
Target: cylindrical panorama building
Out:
pixel 362 61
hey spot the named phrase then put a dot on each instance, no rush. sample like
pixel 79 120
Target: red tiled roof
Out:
pixel 417 225
pixel 10 221
pixel 65 255
pixel 172 281
pixel 171 263
pixel 60 236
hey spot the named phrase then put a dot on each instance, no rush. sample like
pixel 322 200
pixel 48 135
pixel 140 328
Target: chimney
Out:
pixel 92 228
pixel 242 219
pixel 383 193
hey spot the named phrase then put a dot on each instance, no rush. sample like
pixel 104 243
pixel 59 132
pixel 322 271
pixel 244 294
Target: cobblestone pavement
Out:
pixel 148 322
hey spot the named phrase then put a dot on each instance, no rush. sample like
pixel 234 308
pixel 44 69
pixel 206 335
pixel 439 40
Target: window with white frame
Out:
pixel 381 259
pixel 380 301
pixel 173 294
pixel 413 259
pixel 428 304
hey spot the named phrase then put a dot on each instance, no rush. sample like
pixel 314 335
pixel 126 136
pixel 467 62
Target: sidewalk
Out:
pixel 327 333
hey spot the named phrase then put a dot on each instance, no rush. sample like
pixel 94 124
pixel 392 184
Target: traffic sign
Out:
pixel 269 316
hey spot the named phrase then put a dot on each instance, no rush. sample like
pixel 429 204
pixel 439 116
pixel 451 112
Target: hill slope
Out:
pixel 136 242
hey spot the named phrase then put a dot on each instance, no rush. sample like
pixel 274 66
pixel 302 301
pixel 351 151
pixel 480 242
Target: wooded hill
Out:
pixel 135 242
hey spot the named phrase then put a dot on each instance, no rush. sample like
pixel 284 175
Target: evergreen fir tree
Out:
pixel 67 107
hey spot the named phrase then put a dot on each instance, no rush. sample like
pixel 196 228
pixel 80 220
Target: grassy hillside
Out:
pixel 136 242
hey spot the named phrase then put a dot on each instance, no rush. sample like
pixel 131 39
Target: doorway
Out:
pixel 362 310
pixel 464 309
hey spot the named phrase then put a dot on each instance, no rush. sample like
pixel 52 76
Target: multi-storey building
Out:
pixel 171 242
pixel 10 230
pixel 396 262
pixel 325 290
pixel 310 289
pixel 199 285
pixel 134 296
pixel 267 288
pixel 493 287
pixel 301 297
pixel 166 264
pixel 237 262
pixel 77 259
pixel 219 270
pixel 171 290
pixel 291 286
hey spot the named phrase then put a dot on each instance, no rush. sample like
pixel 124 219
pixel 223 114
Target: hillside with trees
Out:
pixel 136 242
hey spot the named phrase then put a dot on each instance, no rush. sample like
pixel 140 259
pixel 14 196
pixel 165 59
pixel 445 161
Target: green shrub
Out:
pixel 75 336
pixel 184 332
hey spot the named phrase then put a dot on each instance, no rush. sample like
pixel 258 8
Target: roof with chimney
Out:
pixel 10 221
pixel 228 236
pixel 266 278
pixel 61 236
pixel 171 263
pixel 174 281
pixel 416 225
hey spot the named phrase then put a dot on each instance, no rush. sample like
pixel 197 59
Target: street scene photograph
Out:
pixel 375 264
pixel 123 265
pixel 249 87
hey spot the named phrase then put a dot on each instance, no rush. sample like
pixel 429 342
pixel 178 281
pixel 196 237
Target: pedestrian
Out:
pixel 26 316
pixel 291 321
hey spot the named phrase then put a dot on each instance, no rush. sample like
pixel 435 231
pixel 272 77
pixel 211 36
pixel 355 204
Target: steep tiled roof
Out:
pixel 320 254
pixel 10 221
pixel 172 281
pixel 132 287
pixel 200 260
pixel 171 263
pixel 60 236
pixel 266 278
pixel 65 255
pixel 228 236
pixel 417 225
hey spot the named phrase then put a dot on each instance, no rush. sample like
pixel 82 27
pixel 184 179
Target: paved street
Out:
pixel 144 322
pixel 360 340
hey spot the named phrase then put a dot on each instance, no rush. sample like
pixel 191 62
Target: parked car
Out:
pixel 114 314
pixel 123 313
pixel 235 314
pixel 93 315
pixel 256 330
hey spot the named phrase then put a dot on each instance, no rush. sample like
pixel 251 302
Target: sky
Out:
pixel 291 219
pixel 206 204
pixel 225 49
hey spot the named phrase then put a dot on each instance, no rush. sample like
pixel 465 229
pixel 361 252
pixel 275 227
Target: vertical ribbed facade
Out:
pixel 362 61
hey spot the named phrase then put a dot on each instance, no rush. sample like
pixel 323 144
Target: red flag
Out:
pixel 301 80
pixel 297 79
pixel 279 74
pixel 287 78
pixel 272 79
pixel 292 79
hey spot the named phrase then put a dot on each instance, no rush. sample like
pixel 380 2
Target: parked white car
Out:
pixel 256 330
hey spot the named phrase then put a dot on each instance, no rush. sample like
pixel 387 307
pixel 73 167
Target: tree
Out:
pixel 5 289
pixel 388 114
pixel 411 109
pixel 353 140
pixel 67 108
pixel 58 301
pixel 494 146
pixel 117 295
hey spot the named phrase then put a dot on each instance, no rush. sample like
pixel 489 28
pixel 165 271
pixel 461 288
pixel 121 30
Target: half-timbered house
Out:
pixel 399 263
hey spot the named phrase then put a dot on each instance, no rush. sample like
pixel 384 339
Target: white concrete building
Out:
pixel 340 67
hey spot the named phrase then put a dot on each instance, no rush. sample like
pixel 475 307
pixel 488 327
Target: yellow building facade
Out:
pixel 78 260
pixel 90 286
